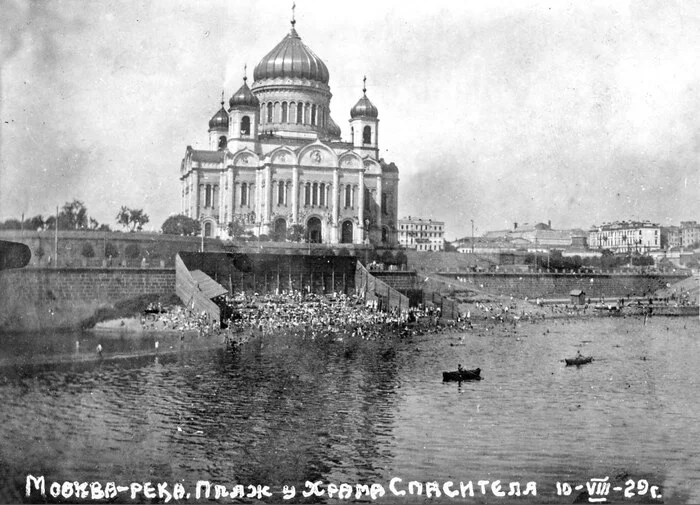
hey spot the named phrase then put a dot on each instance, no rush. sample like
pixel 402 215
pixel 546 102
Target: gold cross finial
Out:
pixel 364 84
pixel 294 6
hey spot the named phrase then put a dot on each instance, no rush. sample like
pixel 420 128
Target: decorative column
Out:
pixel 222 191
pixel 258 197
pixel 232 195
pixel 361 205
pixel 334 215
pixel 183 197
pixel 295 194
pixel 379 201
pixel 268 200
pixel 195 208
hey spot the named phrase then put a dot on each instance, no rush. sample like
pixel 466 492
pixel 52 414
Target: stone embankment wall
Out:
pixel 542 285
pixel 47 298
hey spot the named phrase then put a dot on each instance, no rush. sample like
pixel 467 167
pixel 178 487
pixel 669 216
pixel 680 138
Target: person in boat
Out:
pixel 578 354
pixel 459 368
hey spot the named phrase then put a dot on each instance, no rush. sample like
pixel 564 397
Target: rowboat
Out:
pixel 578 361
pixel 462 375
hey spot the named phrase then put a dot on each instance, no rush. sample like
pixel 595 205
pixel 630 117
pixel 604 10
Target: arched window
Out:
pixel 384 203
pixel 269 112
pixel 244 194
pixel 280 193
pixel 367 197
pixel 262 112
pixel 245 125
pixel 207 229
pixel 307 110
pixel 348 196
pixel 313 115
pixel 300 113
pixel 352 135
pixel 307 194
pixel 322 195
pixel 315 194
pixel 276 112
pixel 222 143
pixel 367 135
pixel 207 196
pixel 284 112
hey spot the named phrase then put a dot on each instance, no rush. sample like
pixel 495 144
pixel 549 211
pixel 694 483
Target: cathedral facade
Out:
pixel 276 159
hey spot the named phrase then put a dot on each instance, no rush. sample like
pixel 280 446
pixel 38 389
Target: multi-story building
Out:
pixel 690 233
pixel 421 234
pixel 276 159
pixel 626 236
pixel 671 236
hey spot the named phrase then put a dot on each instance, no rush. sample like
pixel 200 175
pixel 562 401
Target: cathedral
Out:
pixel 276 159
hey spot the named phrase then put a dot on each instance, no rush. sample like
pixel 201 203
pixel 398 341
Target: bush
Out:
pixel 87 250
pixel 111 250
pixel 132 251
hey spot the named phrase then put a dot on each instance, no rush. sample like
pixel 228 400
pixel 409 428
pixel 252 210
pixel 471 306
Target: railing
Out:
pixel 375 290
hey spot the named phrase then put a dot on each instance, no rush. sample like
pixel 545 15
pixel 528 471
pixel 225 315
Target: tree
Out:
pixel 132 219
pixel 132 251
pixel 111 250
pixel 296 233
pixel 236 229
pixel 73 216
pixel 181 225
pixel 449 247
pixel 11 224
pixel 34 223
pixel 95 226
pixel 87 250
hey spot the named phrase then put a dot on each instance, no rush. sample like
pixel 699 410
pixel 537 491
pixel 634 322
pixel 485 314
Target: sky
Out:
pixel 499 112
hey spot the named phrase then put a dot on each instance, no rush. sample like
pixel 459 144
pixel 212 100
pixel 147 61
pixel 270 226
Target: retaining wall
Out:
pixel 48 298
pixel 559 285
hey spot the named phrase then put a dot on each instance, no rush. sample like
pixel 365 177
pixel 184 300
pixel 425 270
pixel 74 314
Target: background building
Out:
pixel 626 236
pixel 690 233
pixel 276 159
pixel 421 234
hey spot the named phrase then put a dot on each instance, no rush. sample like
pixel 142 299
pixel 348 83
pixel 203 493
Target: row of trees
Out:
pixel 74 216
pixel 188 227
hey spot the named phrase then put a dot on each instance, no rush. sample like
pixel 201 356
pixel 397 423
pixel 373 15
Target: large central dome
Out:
pixel 291 59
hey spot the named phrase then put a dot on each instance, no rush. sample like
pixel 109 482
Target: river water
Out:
pixel 284 411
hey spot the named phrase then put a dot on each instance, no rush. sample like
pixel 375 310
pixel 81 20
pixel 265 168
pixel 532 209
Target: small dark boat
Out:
pixel 578 360
pixel 462 375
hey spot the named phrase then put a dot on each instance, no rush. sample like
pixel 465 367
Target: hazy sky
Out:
pixel 500 112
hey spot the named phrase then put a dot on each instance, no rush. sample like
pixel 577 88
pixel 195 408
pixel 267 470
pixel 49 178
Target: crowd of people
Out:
pixel 307 315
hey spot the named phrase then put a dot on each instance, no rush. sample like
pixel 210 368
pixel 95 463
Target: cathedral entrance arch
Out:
pixel 346 232
pixel 313 230
pixel 207 229
pixel 280 230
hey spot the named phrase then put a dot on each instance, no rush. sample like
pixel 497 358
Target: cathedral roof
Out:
pixel 220 120
pixel 291 59
pixel 202 156
pixel 364 108
pixel 244 97
pixel 333 128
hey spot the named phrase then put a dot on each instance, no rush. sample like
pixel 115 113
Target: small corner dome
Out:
pixel 244 97
pixel 220 120
pixel 364 108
